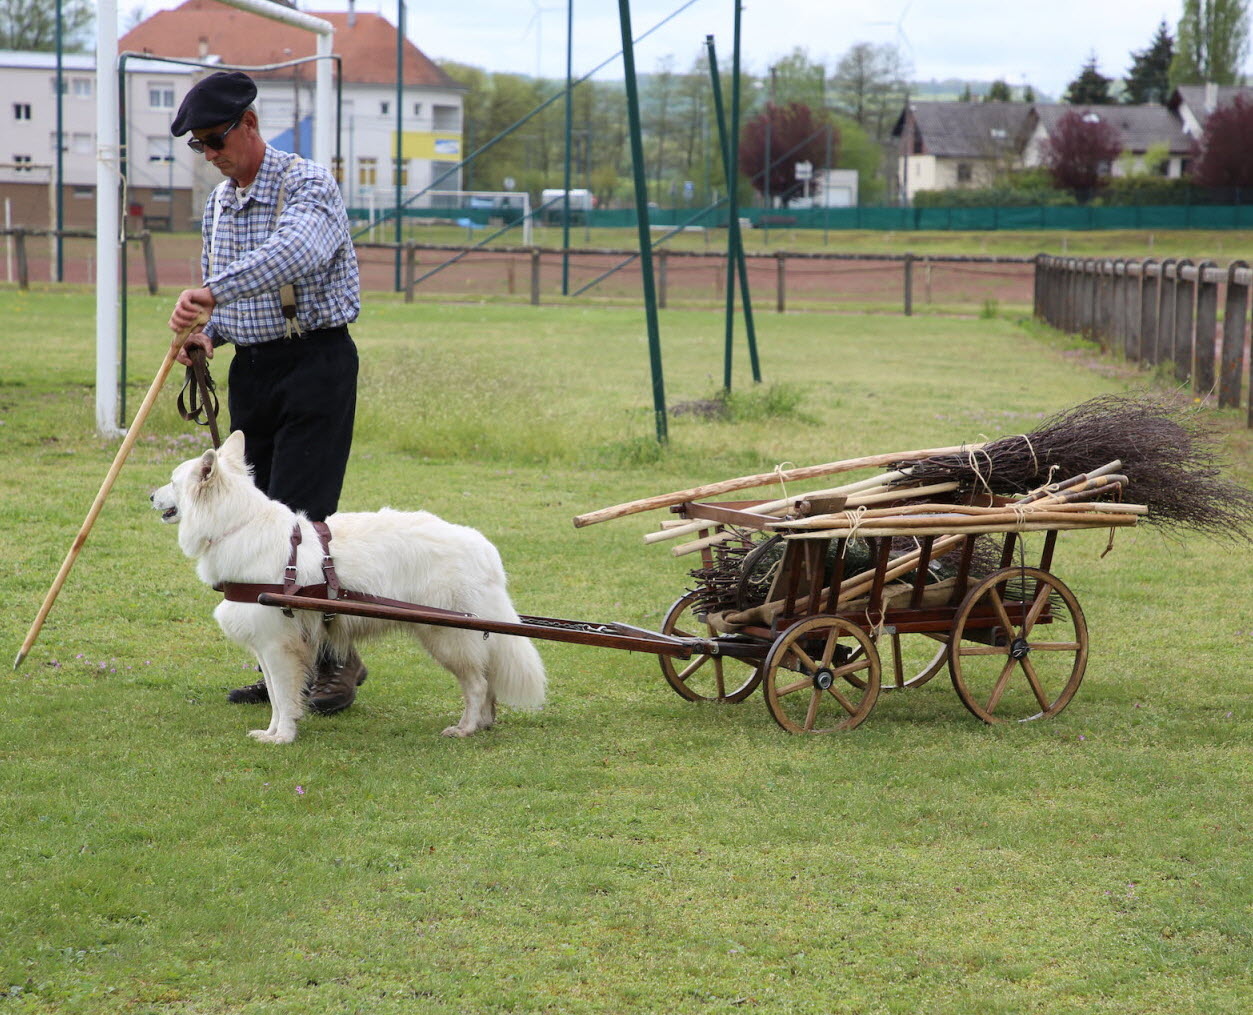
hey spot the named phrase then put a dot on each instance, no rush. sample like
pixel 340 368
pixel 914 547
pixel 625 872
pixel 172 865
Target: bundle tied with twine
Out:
pixel 1170 453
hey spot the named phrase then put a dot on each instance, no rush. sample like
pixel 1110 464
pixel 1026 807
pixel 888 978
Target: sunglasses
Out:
pixel 215 141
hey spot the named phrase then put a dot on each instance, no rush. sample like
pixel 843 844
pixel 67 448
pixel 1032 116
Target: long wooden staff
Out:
pixel 762 479
pixel 132 434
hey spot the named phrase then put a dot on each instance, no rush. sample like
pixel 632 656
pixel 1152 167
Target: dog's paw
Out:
pixel 267 737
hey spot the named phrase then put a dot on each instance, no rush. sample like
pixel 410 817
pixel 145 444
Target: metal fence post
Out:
pixel 535 276
pixel 663 278
pixel 1235 321
pixel 1206 340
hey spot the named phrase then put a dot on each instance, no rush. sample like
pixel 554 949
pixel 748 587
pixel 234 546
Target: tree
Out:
pixel 1213 41
pixel 1148 78
pixel 870 87
pixel 1090 88
pixel 797 78
pixel 789 134
pixel 1079 151
pixel 32 25
pixel 998 91
pixel 1028 94
pixel 1227 147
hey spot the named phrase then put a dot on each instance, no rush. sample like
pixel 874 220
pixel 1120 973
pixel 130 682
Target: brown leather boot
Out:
pixel 333 685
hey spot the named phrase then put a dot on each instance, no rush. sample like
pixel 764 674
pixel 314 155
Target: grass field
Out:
pixel 622 850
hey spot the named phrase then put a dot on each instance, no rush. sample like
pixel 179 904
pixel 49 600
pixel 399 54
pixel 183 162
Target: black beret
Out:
pixel 219 98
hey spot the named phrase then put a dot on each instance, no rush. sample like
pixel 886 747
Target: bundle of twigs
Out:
pixel 1170 454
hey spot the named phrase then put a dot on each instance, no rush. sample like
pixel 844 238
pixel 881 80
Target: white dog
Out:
pixel 235 533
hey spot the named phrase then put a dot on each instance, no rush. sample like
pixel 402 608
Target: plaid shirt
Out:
pixel 248 256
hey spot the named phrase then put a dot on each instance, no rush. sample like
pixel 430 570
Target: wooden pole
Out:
pixel 132 434
pixel 761 479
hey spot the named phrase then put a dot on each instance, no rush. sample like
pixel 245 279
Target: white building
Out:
pixel 166 182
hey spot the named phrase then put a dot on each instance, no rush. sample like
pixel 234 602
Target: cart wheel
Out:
pixel 822 674
pixel 705 677
pixel 915 659
pixel 1005 671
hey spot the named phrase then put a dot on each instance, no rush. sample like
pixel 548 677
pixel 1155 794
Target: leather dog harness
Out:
pixel 329 588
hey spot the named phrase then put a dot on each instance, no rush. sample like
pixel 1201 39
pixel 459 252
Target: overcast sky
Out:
pixel 1039 42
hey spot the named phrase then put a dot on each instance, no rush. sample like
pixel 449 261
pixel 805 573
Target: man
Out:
pixel 281 285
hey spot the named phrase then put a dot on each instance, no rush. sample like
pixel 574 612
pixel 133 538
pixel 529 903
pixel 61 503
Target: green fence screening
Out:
pixel 1073 217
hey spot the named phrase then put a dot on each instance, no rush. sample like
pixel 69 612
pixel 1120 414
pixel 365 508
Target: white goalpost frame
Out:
pixel 108 172
pixel 431 198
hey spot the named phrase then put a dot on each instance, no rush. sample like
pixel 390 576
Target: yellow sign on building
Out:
pixel 440 145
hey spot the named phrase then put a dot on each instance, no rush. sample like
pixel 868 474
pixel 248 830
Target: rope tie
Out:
pixel 854 520
pixel 1048 486
pixel 778 471
pixel 974 466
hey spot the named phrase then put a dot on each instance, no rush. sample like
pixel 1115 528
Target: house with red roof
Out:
pixel 164 55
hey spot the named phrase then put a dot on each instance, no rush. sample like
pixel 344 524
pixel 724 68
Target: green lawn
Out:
pixel 622 850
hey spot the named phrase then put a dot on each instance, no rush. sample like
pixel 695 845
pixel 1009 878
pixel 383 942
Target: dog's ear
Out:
pixel 208 465
pixel 232 449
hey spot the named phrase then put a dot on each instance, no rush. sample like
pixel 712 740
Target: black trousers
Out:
pixel 295 400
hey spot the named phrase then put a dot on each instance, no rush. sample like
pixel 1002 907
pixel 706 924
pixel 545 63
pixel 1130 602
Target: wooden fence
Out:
pixel 1191 318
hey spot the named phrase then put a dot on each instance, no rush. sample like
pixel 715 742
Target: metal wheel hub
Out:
pixel 823 679
pixel 1019 649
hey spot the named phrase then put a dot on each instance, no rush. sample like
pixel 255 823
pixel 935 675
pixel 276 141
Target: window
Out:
pixel 23 163
pixel 400 172
pixel 21 110
pixel 52 142
pixel 384 107
pixel 160 148
pixel 84 193
pixel 337 170
pixel 964 172
pixel 80 144
pixel 417 109
pixel 367 172
pixel 160 96
pixel 446 118
pixel 161 194
pixel 450 182
pixel 81 87
pixel 65 85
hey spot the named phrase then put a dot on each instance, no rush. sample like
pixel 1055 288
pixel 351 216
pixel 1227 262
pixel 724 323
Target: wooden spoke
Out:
pixel 793 688
pixel 812 714
pixel 807 657
pixel 845 704
pixel 1022 679
pixel 728 680
pixel 1029 670
pixel 999 689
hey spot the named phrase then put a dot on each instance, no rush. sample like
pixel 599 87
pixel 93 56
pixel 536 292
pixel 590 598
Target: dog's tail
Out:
pixel 516 672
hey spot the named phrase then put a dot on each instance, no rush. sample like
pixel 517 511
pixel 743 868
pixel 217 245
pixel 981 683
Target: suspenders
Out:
pixel 286 293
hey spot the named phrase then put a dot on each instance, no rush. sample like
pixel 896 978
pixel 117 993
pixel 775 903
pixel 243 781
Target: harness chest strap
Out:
pixel 329 588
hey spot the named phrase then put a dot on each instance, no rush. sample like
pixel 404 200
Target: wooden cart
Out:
pixel 1015 641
